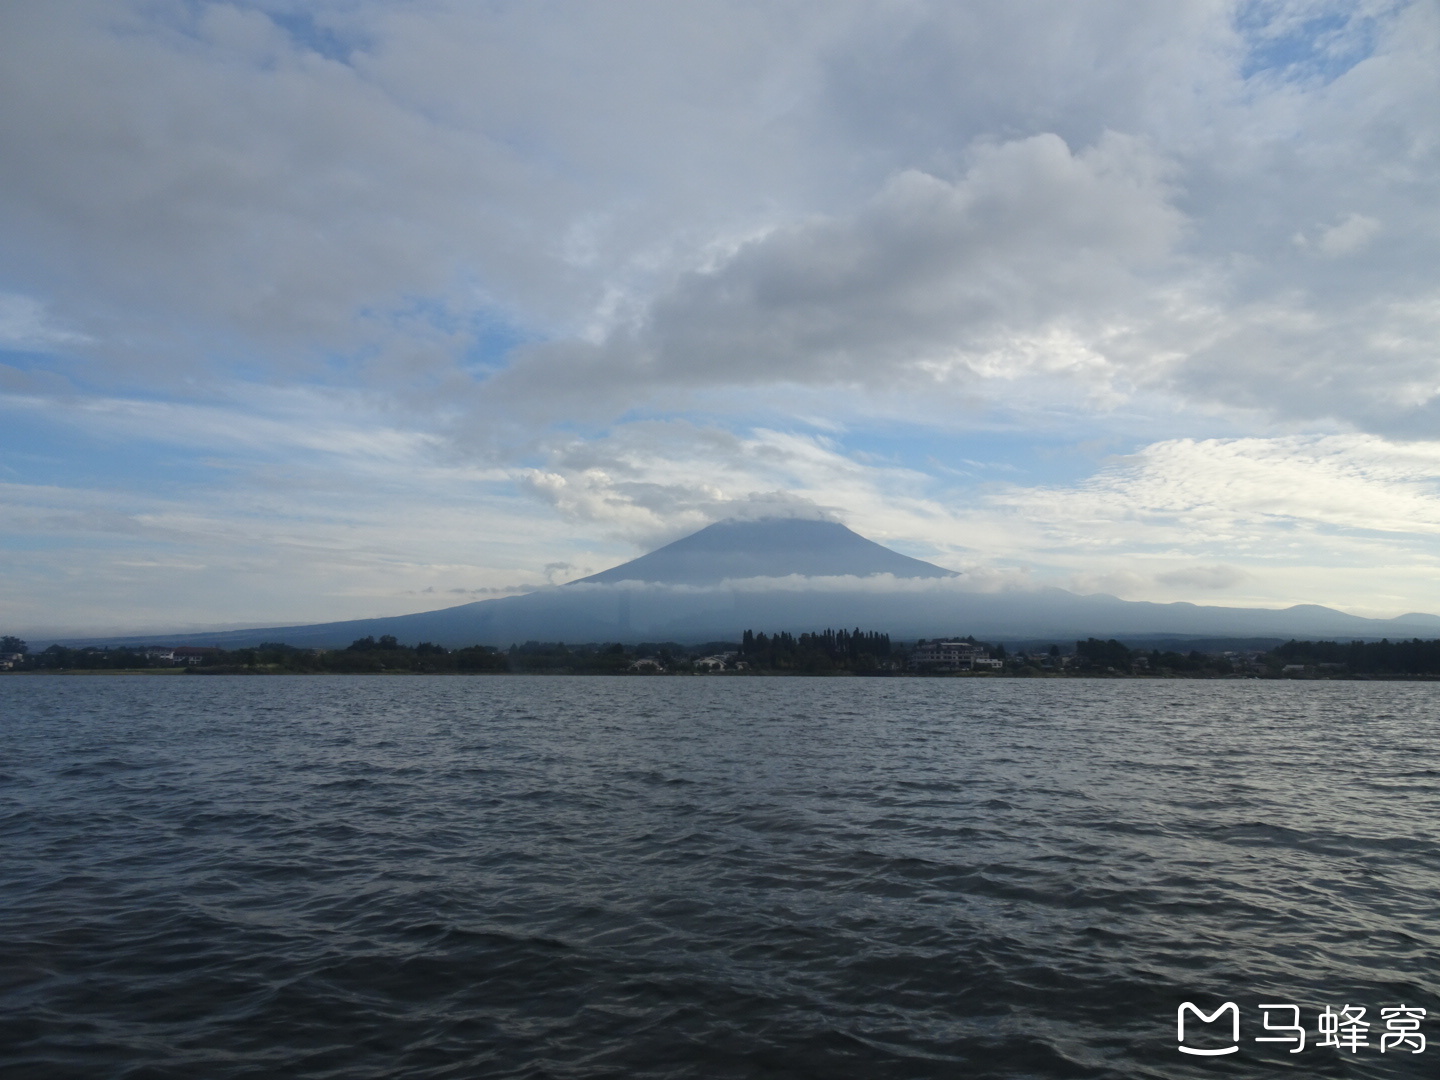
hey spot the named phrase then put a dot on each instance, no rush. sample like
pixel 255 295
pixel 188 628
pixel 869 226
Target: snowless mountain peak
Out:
pixel 769 547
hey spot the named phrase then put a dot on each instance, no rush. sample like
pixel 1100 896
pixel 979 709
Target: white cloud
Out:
pixel 1350 520
pixel 25 324
pixel 649 483
pixel 1240 491
pixel 1349 235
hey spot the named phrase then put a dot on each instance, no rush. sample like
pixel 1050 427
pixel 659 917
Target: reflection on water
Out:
pixel 724 877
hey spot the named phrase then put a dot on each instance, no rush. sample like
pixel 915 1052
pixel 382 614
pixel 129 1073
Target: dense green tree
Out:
pixel 1094 653
pixel 827 650
pixel 1384 657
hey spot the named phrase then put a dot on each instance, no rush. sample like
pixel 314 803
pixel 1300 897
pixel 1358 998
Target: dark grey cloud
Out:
pixel 929 275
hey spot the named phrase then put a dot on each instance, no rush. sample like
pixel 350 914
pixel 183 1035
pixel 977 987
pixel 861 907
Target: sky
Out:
pixel 348 308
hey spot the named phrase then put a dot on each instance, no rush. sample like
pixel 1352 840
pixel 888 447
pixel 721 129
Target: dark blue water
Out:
pixel 571 877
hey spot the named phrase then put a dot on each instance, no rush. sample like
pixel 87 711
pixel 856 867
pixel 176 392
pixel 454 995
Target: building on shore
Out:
pixel 951 656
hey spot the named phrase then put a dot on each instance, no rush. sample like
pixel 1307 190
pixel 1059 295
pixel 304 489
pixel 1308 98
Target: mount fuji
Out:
pixel 770 548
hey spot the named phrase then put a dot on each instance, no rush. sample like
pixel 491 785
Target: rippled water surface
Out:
pixel 575 877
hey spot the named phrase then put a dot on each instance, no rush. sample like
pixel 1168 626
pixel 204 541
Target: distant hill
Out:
pixel 798 575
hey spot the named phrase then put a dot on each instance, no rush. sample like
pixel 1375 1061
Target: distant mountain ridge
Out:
pixel 798 575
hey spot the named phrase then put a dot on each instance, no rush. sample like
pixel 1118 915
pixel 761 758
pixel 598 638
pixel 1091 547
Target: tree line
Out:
pixel 828 651
pixel 1385 657
pixel 363 656
pixel 1333 659
pixel 367 655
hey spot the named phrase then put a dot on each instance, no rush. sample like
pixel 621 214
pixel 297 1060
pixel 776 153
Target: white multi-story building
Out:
pixel 947 656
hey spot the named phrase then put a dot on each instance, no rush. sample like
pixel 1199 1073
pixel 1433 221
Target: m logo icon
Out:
pixel 1229 1006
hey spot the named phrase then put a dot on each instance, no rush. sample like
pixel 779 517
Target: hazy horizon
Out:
pixel 737 575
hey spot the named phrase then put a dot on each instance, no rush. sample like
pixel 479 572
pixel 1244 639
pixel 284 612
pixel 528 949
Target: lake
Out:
pixel 509 876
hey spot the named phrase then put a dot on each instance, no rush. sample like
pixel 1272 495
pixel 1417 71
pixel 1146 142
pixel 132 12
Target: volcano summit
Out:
pixel 769 548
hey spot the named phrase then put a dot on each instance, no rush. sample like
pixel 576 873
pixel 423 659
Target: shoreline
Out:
pixel 962 675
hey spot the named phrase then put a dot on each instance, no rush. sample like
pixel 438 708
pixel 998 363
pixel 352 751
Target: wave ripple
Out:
pixel 526 877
